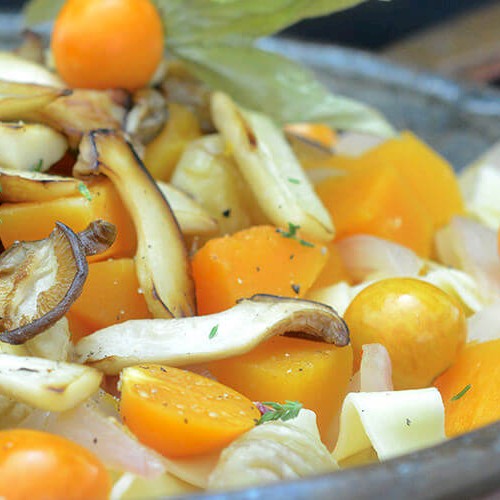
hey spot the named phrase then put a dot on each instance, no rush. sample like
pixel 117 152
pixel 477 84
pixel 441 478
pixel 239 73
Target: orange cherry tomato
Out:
pixel 179 413
pixel 38 465
pixel 107 43
pixel 422 328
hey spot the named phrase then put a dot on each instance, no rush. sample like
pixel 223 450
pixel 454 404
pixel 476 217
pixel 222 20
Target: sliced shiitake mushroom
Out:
pixel 30 146
pixel 162 263
pixel 40 280
pixel 18 187
pixel 82 111
pixel 186 341
pixel 18 100
pixel 147 116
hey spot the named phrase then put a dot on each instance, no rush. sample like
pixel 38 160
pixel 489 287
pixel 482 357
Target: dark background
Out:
pixel 371 25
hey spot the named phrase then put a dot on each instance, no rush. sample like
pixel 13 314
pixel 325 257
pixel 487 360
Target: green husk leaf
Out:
pixel 41 11
pixel 278 87
pixel 202 22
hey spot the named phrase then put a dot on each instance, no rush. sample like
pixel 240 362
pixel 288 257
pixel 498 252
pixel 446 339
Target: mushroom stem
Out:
pixel 98 237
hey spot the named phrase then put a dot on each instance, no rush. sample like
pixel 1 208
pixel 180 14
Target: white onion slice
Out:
pixel 369 257
pixel 485 324
pixel 472 247
pixel 376 369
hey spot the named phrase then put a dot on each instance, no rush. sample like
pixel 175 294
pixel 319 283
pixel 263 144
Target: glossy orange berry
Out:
pixel 422 328
pixel 39 465
pixel 107 43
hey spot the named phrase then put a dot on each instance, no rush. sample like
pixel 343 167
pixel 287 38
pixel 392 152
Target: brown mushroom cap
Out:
pixel 40 280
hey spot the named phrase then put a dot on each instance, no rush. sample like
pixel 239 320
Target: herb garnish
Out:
pixel 278 411
pixel 213 332
pixel 39 165
pixel 292 234
pixel 84 191
pixel 293 181
pixel 456 397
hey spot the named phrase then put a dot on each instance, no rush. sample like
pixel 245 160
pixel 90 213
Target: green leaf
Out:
pixel 84 191
pixel 279 411
pixel 41 11
pixel 456 397
pixel 281 88
pixel 213 332
pixel 237 21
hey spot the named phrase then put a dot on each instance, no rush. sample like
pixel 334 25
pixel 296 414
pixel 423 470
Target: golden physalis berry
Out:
pixel 107 43
pixel 422 328
pixel 179 413
pixel 38 465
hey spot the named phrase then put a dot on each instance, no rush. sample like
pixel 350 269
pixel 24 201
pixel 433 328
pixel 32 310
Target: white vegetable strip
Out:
pixel 267 162
pixel 185 341
pixel 46 384
pixel 393 423
pixel 485 324
pixel 472 247
pixel 369 257
pixel 376 369
pixel 338 296
pixel 17 69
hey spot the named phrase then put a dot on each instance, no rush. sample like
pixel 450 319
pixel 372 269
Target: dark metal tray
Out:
pixel 460 121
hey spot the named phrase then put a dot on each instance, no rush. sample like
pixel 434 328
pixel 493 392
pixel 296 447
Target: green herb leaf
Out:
pixel 202 22
pixel 41 11
pixel 256 79
pixel 38 167
pixel 292 233
pixel 461 393
pixel 283 412
pixel 213 332
pixel 293 181
pixel 84 191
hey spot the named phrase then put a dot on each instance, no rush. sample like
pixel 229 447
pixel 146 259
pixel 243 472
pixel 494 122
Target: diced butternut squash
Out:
pixel 471 388
pixel 34 221
pixel 110 295
pixel 334 270
pixel 165 150
pixel 256 260
pixel 380 202
pixel 283 368
pixel 429 175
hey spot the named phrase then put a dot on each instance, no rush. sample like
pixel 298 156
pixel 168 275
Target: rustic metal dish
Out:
pixel 460 121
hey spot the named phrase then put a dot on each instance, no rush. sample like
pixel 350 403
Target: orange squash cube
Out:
pixel 380 202
pixel 284 368
pixel 35 221
pixel 255 260
pixel 110 295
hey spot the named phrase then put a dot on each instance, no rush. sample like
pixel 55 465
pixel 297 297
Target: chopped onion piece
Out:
pixel 485 324
pixel 186 341
pixel 369 257
pixel 393 423
pixel 45 384
pixel 376 369
pixel 16 69
pixel 472 247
